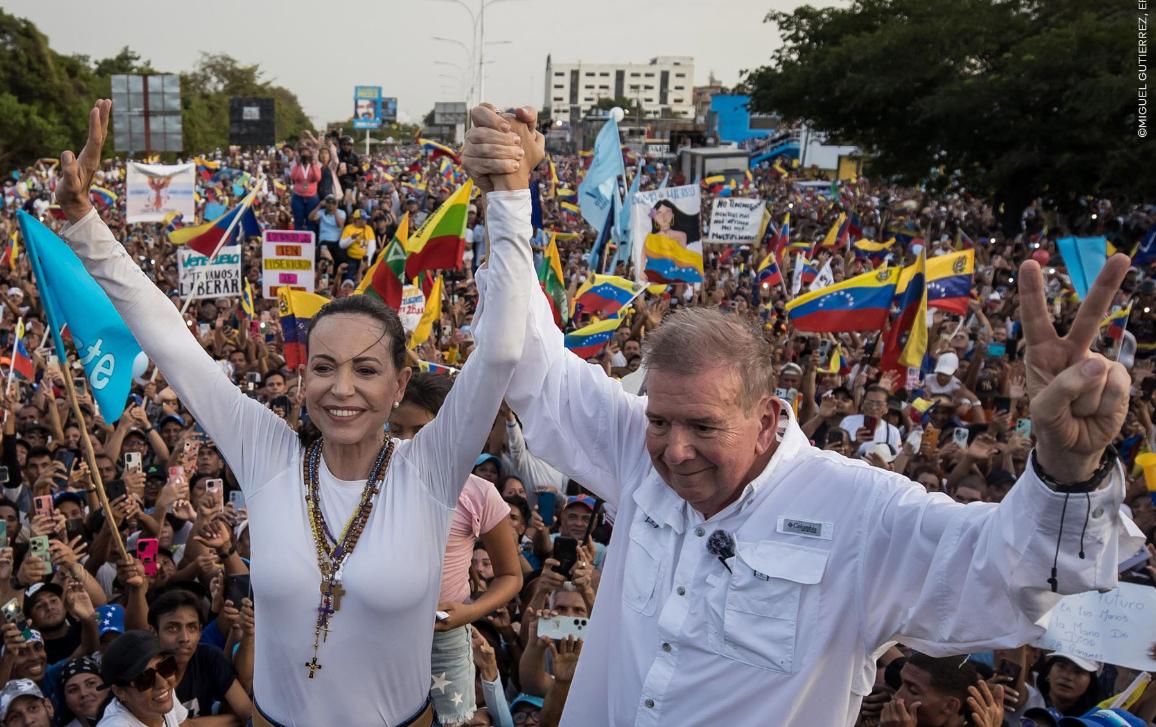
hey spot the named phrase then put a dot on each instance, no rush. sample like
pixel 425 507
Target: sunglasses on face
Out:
pixel 166 669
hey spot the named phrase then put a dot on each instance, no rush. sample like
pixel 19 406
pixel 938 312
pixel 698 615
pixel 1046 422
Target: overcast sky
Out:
pixel 321 56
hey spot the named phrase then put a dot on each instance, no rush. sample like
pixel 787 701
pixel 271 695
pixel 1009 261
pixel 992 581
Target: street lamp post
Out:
pixel 478 20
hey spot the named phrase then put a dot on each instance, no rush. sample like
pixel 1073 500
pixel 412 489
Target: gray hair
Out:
pixel 693 340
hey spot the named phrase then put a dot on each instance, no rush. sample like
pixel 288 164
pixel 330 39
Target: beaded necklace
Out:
pixel 331 551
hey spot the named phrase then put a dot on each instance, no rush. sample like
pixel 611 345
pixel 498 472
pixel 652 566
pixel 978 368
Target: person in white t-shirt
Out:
pixel 874 407
pixel 143 680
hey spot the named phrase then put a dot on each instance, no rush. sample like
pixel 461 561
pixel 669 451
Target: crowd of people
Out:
pixel 170 634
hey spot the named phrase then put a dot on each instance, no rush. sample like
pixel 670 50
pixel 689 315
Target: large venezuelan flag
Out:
pixel 588 342
pixel 949 280
pixel 861 303
pixel 441 241
pixel 669 262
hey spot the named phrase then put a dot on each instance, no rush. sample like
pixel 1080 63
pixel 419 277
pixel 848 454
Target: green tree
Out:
pixel 1011 98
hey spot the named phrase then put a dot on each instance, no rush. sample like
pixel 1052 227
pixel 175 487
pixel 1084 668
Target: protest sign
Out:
pixel 286 259
pixel 202 278
pixel 1117 627
pixel 665 234
pixel 153 191
pixel 735 220
pixel 412 307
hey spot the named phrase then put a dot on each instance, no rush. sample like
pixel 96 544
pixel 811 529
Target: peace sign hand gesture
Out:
pixel 76 172
pixel 1079 399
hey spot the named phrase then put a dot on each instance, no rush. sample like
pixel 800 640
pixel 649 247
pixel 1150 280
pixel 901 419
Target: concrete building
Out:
pixel 662 88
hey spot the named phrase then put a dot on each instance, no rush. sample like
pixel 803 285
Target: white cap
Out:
pixel 14 292
pixel 15 689
pixel 1085 664
pixel 947 363
pixel 883 451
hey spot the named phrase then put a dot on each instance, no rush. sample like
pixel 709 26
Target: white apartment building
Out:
pixel 662 87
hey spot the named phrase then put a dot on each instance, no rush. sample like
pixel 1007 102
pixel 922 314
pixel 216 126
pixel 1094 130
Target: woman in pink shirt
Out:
pixel 480 513
pixel 304 175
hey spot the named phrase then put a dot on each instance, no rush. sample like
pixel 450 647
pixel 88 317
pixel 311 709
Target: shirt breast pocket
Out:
pixel 761 621
pixel 643 566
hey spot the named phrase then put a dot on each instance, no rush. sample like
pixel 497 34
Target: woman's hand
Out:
pixel 76 173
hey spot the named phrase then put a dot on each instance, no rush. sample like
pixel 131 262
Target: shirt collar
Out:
pixel 662 506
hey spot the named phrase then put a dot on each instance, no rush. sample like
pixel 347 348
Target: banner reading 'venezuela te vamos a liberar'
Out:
pixel 218 278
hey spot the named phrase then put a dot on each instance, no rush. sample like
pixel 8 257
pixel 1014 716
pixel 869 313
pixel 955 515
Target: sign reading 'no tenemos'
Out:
pixel 286 260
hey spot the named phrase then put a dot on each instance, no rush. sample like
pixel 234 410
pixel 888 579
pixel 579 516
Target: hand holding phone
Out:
pixel 959 435
pixel 42 505
pixel 147 550
pixel 547 501
pixel 559 627
pixel 566 553
pixel 38 547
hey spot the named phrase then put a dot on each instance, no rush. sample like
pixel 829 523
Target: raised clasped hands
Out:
pixel 1079 399
pixel 502 149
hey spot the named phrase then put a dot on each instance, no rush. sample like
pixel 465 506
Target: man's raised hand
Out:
pixel 1079 399
pixel 501 149
pixel 76 173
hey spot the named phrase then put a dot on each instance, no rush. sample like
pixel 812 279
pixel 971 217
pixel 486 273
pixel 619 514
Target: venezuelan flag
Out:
pixel 906 341
pixel 949 280
pixel 669 262
pixel 247 300
pixel 22 364
pixel 209 237
pixel 103 196
pixel 441 241
pixel 768 271
pixel 173 222
pixel 861 303
pixel 296 309
pixel 810 272
pixel 430 367
pixel 715 183
pixel 437 149
pixel 1117 322
pixel 838 235
pixel 603 295
pixel 12 250
pixel 565 194
pixel 571 210
pixel 876 252
pixel 588 342
pixel 783 236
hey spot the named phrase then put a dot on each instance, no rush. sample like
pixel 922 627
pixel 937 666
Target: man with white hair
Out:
pixel 743 584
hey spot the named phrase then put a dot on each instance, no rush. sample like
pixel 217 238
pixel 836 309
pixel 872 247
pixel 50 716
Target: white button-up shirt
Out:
pixel 834 560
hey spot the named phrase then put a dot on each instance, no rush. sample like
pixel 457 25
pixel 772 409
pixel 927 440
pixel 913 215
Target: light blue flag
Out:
pixel 104 345
pixel 624 241
pixel 1084 257
pixel 665 179
pixel 598 187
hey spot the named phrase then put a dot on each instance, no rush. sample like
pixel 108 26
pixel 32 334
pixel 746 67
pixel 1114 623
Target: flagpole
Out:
pixel 12 358
pixel 1119 344
pixel 90 458
pixel 246 203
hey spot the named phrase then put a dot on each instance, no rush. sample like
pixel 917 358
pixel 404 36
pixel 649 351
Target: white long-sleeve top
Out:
pixel 376 662
pixel 835 559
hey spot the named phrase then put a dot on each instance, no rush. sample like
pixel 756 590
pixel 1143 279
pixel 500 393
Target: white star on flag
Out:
pixel 440 682
pixel 456 699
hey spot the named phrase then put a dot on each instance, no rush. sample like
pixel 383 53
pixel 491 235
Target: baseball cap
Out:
pixel 1041 717
pixel 30 636
pixel 68 496
pixel 128 656
pixel 791 368
pixel 172 418
pixel 357 214
pixel 110 619
pixel 33 592
pixel 1085 664
pixel 528 699
pixel 15 689
pixel 486 457
pixel 1104 718
pixel 883 451
pixel 585 500
pixel 947 363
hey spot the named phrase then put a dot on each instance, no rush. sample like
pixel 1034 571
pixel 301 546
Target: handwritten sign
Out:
pixel 1117 627
pixel 287 260
pixel 216 278
pixel 735 220
pixel 412 306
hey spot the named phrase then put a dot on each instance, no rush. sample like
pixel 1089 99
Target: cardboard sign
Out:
pixel 287 260
pixel 1117 627
pixel 736 220
pixel 412 307
pixel 218 278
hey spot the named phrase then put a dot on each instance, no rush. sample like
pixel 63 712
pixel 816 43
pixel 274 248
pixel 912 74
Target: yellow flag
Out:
pixel 431 315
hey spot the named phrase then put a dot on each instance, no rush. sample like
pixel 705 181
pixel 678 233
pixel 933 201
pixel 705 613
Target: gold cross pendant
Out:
pixel 334 592
pixel 313 667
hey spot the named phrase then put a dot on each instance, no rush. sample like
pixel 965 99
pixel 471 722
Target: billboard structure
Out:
pixel 449 113
pixel 252 121
pixel 367 107
pixel 146 113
